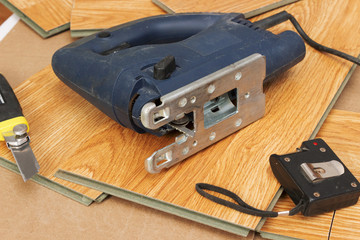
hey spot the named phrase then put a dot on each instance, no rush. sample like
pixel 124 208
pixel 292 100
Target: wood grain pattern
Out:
pixel 48 14
pixel 298 226
pixel 341 131
pixel 96 15
pixel 296 102
pixel 51 124
pixel 75 136
pixel 243 6
pixel 4 13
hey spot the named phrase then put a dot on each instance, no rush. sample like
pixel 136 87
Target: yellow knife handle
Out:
pixel 10 109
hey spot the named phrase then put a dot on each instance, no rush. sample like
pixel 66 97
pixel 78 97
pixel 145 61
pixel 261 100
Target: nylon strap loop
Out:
pixel 241 206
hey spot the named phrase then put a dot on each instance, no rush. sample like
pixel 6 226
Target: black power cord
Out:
pixel 284 16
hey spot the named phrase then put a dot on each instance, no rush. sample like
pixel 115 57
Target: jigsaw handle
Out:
pixel 156 30
pixel 114 69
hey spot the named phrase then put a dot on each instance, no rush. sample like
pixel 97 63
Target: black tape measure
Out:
pixel 314 177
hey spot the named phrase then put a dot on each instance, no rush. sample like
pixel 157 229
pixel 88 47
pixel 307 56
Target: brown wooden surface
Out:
pixel 48 14
pixel 341 131
pixel 51 123
pixel 242 6
pixel 295 103
pixel 95 14
pixel 4 13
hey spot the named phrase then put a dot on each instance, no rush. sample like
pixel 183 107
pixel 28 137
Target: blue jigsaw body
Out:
pixel 114 69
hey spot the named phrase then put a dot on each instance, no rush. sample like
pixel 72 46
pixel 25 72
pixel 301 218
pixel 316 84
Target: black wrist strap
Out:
pixel 241 206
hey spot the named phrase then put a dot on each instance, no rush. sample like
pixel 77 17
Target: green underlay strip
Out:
pixel 161 5
pixel 154 203
pixel 268 8
pixel 101 198
pixel 250 14
pixel 276 237
pixel 34 25
pixel 83 33
pixel 49 184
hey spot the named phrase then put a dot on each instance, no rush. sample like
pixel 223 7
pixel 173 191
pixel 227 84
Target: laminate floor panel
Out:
pixel 296 103
pixel 90 16
pixel 46 17
pixel 247 7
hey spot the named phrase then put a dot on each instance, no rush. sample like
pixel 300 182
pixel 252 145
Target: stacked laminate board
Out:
pixel 84 17
pixel 104 158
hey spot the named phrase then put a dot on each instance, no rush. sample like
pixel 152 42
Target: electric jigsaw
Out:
pixel 201 74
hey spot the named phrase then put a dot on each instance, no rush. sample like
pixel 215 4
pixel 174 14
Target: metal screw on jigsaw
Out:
pixel 14 129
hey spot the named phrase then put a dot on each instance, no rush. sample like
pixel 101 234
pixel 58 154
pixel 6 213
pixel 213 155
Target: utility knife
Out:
pixel 14 131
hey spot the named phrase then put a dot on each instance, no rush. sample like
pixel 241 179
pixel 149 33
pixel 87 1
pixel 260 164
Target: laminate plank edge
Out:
pixel 43 181
pixel 154 203
pixel 268 8
pixel 83 33
pixel 249 14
